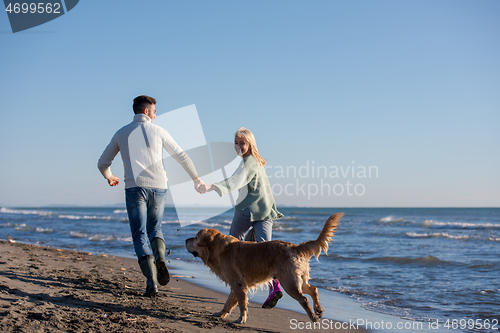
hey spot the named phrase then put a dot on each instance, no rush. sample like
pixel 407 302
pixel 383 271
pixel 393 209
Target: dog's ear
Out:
pixel 204 239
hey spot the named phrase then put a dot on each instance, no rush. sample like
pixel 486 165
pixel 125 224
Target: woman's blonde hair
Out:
pixel 247 135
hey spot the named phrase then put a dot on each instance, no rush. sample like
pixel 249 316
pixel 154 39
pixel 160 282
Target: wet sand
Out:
pixel 45 289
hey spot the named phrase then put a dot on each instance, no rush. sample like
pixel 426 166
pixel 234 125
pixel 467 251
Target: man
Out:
pixel 140 144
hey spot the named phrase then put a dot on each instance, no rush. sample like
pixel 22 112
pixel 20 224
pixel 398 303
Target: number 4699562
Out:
pixel 471 324
pixel 32 8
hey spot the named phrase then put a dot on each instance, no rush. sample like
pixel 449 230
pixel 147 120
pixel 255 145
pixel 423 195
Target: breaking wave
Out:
pixel 460 225
pixel 436 234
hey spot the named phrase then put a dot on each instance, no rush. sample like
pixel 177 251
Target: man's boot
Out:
pixel 158 246
pixel 148 268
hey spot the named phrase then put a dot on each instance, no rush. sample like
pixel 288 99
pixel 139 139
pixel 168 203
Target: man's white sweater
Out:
pixel 141 146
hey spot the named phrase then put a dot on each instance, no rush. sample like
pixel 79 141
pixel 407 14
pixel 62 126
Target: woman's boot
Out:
pixel 275 294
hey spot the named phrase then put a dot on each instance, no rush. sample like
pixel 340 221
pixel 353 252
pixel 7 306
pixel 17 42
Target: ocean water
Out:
pixel 422 264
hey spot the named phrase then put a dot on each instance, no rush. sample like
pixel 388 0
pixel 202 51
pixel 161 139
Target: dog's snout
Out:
pixel 189 248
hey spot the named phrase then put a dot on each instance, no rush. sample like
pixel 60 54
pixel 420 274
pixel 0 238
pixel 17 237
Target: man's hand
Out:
pixel 113 180
pixel 199 185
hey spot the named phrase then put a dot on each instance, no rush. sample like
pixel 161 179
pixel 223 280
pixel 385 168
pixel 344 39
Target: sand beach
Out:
pixel 44 289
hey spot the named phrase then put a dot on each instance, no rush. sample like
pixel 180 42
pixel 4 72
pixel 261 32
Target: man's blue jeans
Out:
pixel 145 212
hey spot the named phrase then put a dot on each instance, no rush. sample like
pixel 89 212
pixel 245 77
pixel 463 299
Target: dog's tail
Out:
pixel 314 247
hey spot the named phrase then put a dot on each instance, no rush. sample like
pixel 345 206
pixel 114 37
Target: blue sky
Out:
pixel 408 87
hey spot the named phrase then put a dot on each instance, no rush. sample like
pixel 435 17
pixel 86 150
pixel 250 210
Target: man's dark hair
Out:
pixel 142 102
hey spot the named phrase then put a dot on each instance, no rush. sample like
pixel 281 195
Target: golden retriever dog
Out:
pixel 245 265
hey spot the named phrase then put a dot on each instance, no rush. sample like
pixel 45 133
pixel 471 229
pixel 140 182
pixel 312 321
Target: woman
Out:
pixel 255 205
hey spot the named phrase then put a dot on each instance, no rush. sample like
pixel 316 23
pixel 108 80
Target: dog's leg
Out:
pixel 292 287
pixel 240 291
pixel 313 291
pixel 228 307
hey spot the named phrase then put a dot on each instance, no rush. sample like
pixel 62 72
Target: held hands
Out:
pixel 207 188
pixel 201 187
pixel 113 180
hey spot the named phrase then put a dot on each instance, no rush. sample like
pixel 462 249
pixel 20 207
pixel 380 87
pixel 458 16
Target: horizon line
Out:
pixel 214 206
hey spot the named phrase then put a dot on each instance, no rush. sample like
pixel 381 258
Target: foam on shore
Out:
pixel 336 306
